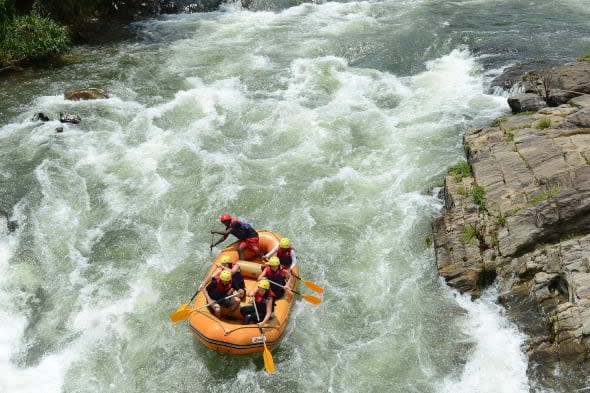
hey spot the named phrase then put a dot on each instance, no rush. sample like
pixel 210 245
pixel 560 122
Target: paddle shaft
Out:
pixel 282 286
pixel 269 363
pixel 216 301
pixel 309 298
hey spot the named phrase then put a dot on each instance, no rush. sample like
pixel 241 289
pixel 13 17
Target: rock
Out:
pixel 12 225
pixel 68 118
pixel 512 77
pixel 59 129
pixel 580 118
pixel 527 102
pixel 558 97
pixel 168 7
pixel 40 116
pixel 90 93
pixel 533 234
pixel 581 101
pixel 573 77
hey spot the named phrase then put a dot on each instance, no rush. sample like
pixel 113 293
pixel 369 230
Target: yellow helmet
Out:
pixel 264 284
pixel 284 242
pixel 226 259
pixel 273 261
pixel 225 275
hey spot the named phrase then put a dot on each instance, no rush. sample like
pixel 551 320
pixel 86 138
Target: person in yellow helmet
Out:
pixel 277 274
pixel 225 262
pixel 221 286
pixel 285 252
pixel 263 298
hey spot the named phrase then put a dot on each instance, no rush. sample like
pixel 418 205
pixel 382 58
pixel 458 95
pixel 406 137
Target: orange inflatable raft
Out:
pixel 230 335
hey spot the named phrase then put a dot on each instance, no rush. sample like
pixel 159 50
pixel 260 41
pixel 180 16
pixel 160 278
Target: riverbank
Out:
pixel 519 214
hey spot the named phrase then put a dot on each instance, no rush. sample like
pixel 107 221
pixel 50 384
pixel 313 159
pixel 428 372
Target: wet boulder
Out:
pixel 90 93
pixel 40 116
pixel 528 102
pixel 69 118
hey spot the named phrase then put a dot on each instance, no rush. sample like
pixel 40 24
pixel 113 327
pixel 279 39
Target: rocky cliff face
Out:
pixel 520 213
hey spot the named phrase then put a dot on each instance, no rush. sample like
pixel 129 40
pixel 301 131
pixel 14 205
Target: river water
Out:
pixel 331 123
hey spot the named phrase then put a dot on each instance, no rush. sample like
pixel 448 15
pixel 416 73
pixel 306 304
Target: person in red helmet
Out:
pixel 242 230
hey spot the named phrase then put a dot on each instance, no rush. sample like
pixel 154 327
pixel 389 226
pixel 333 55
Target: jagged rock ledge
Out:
pixel 519 212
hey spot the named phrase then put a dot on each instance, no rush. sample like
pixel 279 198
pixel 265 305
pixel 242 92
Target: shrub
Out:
pixel 479 197
pixel 544 123
pixel 585 57
pixel 31 37
pixel 469 234
pixel 460 171
pixel 6 11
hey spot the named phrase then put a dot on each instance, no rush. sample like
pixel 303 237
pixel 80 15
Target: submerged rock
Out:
pixel 68 118
pixel 40 116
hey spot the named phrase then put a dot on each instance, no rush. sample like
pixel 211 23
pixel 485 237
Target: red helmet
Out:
pixel 224 217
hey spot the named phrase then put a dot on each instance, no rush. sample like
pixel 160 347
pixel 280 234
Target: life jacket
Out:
pixel 221 287
pixel 278 276
pixel 284 255
pixel 242 230
pixel 260 300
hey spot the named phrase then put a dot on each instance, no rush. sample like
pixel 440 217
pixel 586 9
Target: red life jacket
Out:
pixel 220 286
pixel 284 255
pixel 278 276
pixel 260 300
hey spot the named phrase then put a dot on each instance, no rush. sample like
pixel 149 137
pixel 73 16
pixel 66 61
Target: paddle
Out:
pixel 182 309
pixel 310 284
pixel 309 298
pixel 269 363
pixel 211 245
pixel 180 315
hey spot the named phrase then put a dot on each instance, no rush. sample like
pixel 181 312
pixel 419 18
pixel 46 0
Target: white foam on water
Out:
pixel 49 374
pixel 497 363
pixel 346 153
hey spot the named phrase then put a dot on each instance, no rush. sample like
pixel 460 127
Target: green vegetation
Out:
pixel 501 219
pixel 498 122
pixel 544 195
pixel 544 123
pixel 568 237
pixel 495 241
pixel 585 57
pixel 460 171
pixel 36 35
pixel 462 191
pixel 469 234
pixel 27 38
pixel 478 194
pixel 428 241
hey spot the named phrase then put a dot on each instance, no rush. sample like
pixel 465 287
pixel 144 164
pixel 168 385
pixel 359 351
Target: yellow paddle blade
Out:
pixel 181 315
pixel 313 286
pixel 269 363
pixel 312 299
